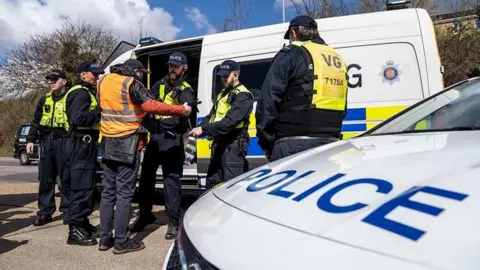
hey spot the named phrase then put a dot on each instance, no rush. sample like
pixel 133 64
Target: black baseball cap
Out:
pixel 135 64
pixel 56 74
pixel 228 66
pixel 302 20
pixel 90 66
pixel 177 59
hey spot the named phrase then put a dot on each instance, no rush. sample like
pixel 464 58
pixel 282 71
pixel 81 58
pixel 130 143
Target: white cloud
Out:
pixel 201 21
pixel 19 19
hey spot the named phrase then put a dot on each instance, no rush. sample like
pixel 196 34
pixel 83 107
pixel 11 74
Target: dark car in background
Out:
pixel 20 146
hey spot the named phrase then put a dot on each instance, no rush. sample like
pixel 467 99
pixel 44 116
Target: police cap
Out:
pixel 177 59
pixel 228 66
pixel 90 66
pixel 56 74
pixel 302 20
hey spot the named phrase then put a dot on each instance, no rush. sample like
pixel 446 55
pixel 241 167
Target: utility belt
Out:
pixel 169 134
pixel 54 134
pixel 239 136
pixel 326 139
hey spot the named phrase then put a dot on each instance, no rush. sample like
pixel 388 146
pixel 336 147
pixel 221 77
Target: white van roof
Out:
pixel 342 29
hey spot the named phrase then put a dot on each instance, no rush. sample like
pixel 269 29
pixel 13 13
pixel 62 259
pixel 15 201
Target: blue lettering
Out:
pixel 325 201
pixel 253 187
pixel 252 176
pixel 284 193
pixel 317 187
pixel 377 217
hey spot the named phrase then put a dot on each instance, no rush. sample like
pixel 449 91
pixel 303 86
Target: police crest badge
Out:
pixel 390 72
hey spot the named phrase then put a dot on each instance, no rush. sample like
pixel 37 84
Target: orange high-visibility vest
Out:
pixel 120 116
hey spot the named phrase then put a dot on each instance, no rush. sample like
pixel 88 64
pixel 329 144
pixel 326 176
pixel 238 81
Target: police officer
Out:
pixel 83 118
pixel 304 96
pixel 166 148
pixel 227 125
pixel 49 124
pixel 123 138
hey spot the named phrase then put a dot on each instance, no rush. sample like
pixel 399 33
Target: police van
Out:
pixel 392 60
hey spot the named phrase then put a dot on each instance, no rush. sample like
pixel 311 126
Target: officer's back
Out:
pixel 303 100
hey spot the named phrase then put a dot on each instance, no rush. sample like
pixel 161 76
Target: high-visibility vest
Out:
pixel 171 98
pixel 54 112
pixel 93 105
pixel 422 125
pixel 223 105
pixel 120 116
pixel 329 79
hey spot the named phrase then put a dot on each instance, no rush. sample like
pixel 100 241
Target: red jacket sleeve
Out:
pixel 157 107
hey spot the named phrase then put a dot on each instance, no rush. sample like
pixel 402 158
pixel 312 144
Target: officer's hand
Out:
pixel 188 109
pixel 196 132
pixel 29 148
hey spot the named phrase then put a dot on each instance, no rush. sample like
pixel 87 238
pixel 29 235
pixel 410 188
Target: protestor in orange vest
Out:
pixel 124 102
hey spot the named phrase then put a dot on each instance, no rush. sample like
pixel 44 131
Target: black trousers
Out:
pixel 169 153
pixel 290 147
pixel 81 157
pixel 227 161
pixel 118 189
pixel 51 165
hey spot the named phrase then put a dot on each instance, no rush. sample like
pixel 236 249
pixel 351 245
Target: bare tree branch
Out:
pixel 238 16
pixel 320 8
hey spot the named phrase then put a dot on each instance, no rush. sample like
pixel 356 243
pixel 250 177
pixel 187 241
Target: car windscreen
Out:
pixel 457 108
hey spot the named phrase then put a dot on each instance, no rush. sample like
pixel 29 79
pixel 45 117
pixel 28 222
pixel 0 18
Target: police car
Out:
pixel 399 196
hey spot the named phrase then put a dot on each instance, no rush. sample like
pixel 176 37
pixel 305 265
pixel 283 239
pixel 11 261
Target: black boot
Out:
pixel 106 244
pixel 142 222
pixel 42 220
pixel 92 230
pixel 172 229
pixel 129 246
pixel 80 237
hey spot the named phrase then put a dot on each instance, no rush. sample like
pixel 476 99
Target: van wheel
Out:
pixel 24 158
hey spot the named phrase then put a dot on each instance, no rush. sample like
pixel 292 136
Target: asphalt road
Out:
pixel 23 246
pixel 12 171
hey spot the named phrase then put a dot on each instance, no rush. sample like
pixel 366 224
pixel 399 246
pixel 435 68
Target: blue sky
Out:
pixel 263 12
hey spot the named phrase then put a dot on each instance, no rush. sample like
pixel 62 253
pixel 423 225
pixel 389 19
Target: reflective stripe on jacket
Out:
pixel 120 116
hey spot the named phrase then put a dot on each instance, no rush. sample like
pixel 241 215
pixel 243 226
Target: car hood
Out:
pixel 412 196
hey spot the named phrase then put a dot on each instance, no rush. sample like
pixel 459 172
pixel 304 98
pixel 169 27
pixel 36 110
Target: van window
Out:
pixel 25 131
pixel 252 76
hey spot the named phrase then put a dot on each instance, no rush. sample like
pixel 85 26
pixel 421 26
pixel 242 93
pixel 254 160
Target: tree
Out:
pixel 459 44
pixel 22 75
pixel 140 32
pixel 238 15
pixel 366 6
pixel 318 9
pixel 26 66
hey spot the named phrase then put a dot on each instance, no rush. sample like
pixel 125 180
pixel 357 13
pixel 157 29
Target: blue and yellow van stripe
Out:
pixel 357 121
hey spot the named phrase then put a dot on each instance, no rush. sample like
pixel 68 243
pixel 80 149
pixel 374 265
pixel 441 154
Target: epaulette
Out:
pixel 286 48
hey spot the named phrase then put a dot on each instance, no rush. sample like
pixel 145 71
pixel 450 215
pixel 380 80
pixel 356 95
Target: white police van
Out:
pixel 402 195
pixel 392 60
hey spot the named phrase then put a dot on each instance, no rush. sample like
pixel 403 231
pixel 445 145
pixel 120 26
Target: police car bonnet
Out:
pixel 400 189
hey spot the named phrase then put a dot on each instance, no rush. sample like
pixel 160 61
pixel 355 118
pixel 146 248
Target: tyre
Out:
pixel 24 158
